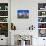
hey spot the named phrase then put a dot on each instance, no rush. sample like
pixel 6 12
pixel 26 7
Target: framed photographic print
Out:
pixel 22 14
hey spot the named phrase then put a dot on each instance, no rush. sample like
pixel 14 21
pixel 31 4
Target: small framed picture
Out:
pixel 22 14
pixel 6 7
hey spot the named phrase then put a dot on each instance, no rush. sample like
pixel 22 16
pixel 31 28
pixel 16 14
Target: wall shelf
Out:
pixel 3 22
pixel 3 16
pixel 41 28
pixel 42 16
pixel 3 10
pixel 41 10
pixel 41 22
pixel 4 19
pixel 42 19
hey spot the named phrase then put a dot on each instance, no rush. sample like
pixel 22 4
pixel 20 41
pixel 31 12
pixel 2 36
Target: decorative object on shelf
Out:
pixel 4 29
pixel 31 27
pixel 3 13
pixel 41 19
pixel 41 25
pixel 4 26
pixel 6 7
pixel 42 32
pixel 41 6
pixel 13 27
pixel 23 13
pixel 3 19
pixel 3 6
pixel 41 13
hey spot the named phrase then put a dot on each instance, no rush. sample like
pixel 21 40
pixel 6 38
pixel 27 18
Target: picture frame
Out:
pixel 23 14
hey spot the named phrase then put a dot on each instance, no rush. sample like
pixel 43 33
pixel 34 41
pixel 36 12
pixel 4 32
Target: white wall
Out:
pixel 23 24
